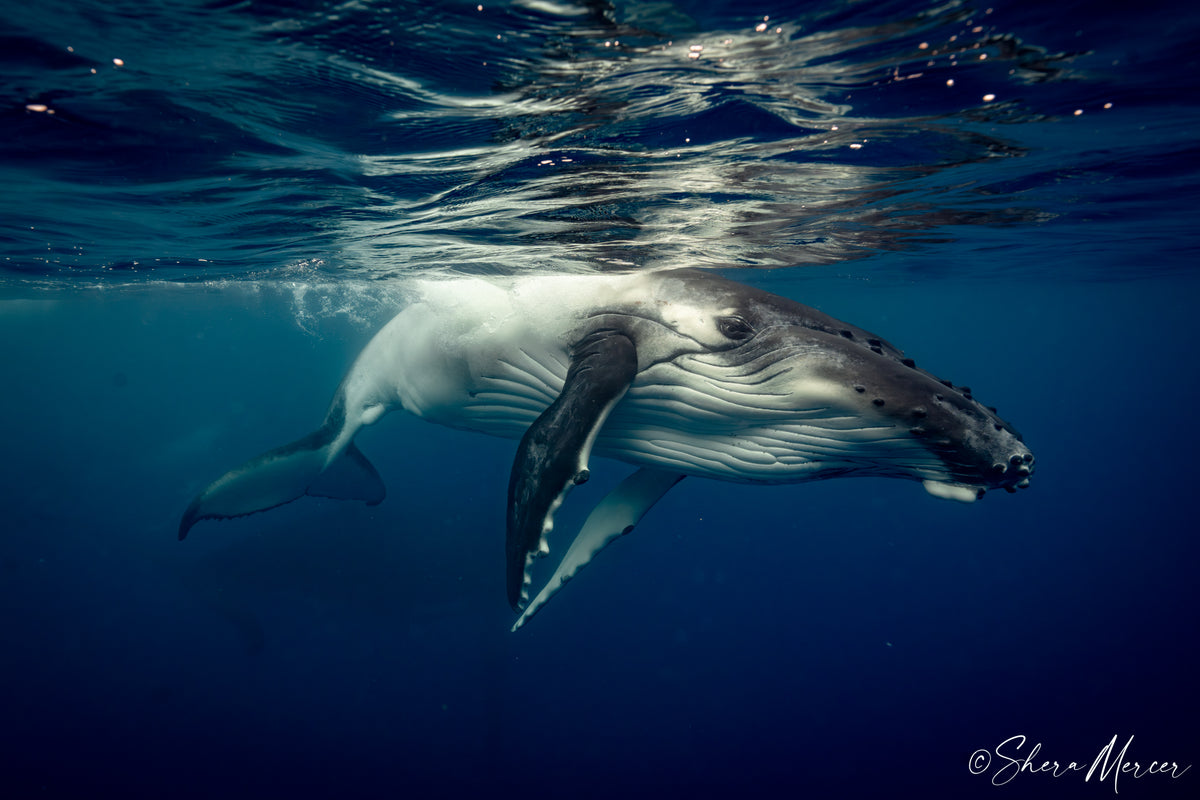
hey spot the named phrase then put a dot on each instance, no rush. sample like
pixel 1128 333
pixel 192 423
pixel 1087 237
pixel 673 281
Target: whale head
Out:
pixel 776 391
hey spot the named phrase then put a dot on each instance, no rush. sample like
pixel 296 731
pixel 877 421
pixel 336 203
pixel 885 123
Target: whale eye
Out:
pixel 734 328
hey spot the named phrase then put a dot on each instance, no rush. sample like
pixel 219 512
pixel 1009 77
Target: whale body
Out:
pixel 678 373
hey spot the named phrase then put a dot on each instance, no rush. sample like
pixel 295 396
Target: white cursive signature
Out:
pixel 1009 761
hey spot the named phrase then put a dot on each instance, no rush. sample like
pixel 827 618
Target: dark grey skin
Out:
pixel 680 373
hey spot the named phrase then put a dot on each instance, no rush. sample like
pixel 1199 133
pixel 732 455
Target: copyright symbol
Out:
pixel 980 761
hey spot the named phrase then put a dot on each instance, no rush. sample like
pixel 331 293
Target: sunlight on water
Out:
pixel 250 142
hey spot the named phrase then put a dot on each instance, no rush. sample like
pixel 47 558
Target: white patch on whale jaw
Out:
pixel 951 491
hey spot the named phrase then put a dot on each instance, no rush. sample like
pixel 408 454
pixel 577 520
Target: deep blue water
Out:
pixel 196 242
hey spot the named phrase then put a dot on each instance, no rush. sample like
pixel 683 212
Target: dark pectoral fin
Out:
pixel 552 457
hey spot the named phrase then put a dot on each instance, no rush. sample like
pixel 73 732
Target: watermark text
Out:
pixel 1013 758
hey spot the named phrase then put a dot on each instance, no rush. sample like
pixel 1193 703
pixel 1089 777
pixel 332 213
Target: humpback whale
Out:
pixel 677 373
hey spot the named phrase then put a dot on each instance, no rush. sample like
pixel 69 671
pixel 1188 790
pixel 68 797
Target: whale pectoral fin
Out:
pixel 553 454
pixel 350 477
pixel 614 516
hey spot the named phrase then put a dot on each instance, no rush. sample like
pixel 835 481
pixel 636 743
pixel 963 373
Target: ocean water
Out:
pixel 209 207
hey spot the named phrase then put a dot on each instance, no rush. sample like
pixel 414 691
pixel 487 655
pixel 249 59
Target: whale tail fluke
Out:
pixel 304 467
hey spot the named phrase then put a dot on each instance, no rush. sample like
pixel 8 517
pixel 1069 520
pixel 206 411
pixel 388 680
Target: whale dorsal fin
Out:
pixel 553 455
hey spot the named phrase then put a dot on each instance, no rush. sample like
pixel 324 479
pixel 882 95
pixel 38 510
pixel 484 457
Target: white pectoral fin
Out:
pixel 614 516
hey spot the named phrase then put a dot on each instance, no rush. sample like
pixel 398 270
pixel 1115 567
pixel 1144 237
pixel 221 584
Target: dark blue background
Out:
pixel 846 636
pixel 840 639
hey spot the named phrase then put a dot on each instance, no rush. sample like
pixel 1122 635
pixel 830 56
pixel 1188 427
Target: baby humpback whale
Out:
pixel 679 373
